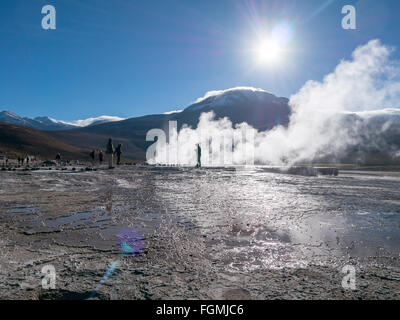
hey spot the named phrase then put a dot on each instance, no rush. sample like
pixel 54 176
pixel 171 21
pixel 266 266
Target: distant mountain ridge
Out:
pixel 258 108
pixel 377 132
pixel 49 124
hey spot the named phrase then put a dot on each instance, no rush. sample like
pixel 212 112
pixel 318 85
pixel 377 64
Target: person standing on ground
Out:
pixel 118 152
pixel 92 155
pixel 198 165
pixel 101 156
pixel 110 151
pixel 58 158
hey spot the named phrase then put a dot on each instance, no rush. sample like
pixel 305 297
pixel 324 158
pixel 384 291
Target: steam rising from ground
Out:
pixel 369 81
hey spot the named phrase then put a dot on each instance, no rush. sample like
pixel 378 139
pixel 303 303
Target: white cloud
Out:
pixel 219 92
pixel 89 121
pixel 173 111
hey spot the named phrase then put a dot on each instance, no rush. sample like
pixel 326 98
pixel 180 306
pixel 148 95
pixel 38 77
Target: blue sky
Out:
pixel 135 57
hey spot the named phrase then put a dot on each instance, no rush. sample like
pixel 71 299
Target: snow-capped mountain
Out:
pixel 92 121
pixel 254 106
pixel 232 96
pixel 47 123
pixel 11 117
pixel 382 115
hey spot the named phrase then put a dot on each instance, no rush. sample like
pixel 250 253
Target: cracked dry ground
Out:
pixel 209 234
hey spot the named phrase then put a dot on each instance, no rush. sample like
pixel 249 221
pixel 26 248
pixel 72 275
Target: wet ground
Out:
pixel 206 234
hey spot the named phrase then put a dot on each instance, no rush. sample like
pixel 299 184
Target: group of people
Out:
pixel 110 152
pixel 21 160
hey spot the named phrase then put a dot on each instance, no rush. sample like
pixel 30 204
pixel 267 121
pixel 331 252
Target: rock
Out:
pixel 48 163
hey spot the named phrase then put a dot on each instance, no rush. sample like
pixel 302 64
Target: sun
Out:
pixel 270 48
pixel 268 51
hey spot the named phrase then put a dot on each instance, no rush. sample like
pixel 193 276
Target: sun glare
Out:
pixel 268 52
pixel 271 47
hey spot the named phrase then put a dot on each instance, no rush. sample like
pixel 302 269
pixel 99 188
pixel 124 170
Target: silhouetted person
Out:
pixel 101 157
pixel 58 158
pixel 110 151
pixel 198 165
pixel 118 152
pixel 92 155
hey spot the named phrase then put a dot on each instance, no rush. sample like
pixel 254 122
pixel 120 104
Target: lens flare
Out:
pixel 130 242
pixel 282 34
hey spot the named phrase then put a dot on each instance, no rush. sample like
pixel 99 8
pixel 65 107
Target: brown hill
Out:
pixel 133 145
pixel 18 140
